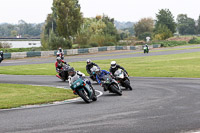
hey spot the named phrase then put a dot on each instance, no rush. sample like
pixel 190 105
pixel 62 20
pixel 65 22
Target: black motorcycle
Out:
pixel 111 84
pixel 64 72
pixel 1 59
pixel 122 79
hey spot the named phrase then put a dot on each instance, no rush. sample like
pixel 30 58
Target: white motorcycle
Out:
pixel 122 79
pixel 93 74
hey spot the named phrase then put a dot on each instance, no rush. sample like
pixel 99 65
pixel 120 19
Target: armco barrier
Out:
pixel 18 55
pixel 74 51
pixel 82 51
pixel 102 48
pixel 7 55
pixel 33 54
pixel 119 48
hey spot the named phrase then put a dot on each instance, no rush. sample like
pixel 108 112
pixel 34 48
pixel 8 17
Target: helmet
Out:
pixel 60 49
pixel 97 71
pixel 113 64
pixel 71 71
pixel 1 52
pixel 58 59
pixel 88 61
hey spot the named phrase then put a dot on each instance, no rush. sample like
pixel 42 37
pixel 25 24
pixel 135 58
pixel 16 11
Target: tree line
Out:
pixel 22 29
pixel 165 26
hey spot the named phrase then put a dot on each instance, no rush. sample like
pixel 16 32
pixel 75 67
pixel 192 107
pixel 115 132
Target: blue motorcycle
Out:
pixel 83 89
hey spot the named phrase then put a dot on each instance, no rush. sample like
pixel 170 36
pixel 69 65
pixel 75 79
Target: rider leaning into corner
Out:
pixel 89 65
pixel 114 67
pixel 1 56
pixel 59 65
pixel 100 74
pixel 72 73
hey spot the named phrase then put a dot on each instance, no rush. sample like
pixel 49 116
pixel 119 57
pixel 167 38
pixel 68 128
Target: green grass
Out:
pixel 177 65
pixel 15 95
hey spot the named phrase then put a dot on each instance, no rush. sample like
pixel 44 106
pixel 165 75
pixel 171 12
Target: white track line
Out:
pixel 14 62
pixel 49 104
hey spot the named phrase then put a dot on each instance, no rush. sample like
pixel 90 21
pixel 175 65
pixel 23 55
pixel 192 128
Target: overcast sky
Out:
pixel 35 11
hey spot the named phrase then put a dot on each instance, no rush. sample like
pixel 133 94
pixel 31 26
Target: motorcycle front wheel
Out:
pixel 83 94
pixel 116 90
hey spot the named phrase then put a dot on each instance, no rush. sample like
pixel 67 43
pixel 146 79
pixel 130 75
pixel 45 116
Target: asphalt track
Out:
pixel 156 105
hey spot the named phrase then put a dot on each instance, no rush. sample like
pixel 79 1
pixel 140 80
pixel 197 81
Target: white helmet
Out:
pixel 113 64
pixel 58 59
pixel 97 71
pixel 88 61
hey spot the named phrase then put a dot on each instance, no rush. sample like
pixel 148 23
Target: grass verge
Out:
pixel 176 65
pixel 15 95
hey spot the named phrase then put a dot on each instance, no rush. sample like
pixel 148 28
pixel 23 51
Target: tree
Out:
pixel 165 17
pixel 144 25
pixel 162 32
pixel 68 17
pixel 198 25
pixel 185 25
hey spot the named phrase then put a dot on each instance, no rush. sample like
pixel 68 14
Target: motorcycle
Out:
pixel 111 84
pixel 83 89
pixel 93 73
pixel 64 72
pixel 146 49
pixel 122 79
pixel 60 54
pixel 1 59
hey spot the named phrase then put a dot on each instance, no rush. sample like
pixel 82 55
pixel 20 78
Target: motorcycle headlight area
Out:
pixel 77 84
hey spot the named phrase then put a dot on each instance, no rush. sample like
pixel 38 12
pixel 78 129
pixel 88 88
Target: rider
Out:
pixel 146 45
pixel 60 51
pixel 89 65
pixel 100 74
pixel 59 65
pixel 114 67
pixel 1 56
pixel 72 73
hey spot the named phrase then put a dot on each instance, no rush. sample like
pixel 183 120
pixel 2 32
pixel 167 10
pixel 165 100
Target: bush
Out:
pixel 57 41
pixel 94 44
pixel 109 44
pixel 84 46
pixel 170 43
pixel 194 40
pixel 122 44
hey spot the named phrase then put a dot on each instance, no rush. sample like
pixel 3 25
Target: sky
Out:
pixel 35 11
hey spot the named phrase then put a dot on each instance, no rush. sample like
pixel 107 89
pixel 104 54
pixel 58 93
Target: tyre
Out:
pixel 116 90
pixel 127 84
pixel 94 98
pixel 83 94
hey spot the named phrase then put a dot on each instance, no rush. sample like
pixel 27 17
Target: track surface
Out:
pixel 156 105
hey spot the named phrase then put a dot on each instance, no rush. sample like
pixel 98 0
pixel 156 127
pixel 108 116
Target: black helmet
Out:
pixel 71 71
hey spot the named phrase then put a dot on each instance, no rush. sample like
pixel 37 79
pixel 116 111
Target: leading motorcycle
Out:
pixel 83 89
